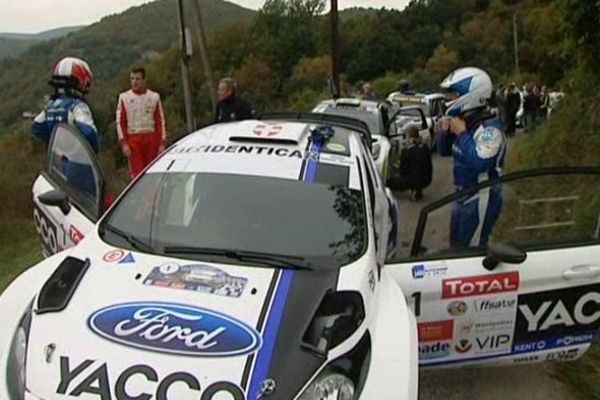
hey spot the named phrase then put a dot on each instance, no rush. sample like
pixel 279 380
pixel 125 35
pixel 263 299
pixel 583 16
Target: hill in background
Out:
pixel 109 46
pixel 13 44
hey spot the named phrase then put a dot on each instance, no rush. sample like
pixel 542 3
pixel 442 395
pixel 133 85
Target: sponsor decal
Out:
pixel 563 355
pixel 46 229
pixel 175 329
pixel 457 308
pixel 372 280
pixel 75 235
pixel 198 278
pixel 267 130
pixel 495 305
pixel 88 378
pixel 554 342
pixel 113 256
pixel 128 259
pixel 526 359
pixel 423 270
pixel 339 148
pixel 480 285
pixel 435 331
pixel 466 328
pixel 557 317
pixel 241 149
pixel 434 350
pixel 463 346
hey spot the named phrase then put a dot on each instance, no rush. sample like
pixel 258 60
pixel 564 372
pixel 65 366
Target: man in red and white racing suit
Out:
pixel 140 123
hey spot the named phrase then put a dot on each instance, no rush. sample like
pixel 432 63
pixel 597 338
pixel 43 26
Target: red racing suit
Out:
pixel 141 125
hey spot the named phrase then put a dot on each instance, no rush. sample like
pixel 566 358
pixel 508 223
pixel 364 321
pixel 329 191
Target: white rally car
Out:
pixel 372 113
pixel 250 261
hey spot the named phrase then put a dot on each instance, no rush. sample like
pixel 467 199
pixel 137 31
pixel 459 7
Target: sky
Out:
pixel 34 16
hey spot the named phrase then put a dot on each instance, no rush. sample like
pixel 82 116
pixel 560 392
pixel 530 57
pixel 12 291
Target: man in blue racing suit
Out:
pixel 478 145
pixel 71 80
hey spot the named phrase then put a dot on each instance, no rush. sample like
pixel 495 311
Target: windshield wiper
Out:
pixel 132 240
pixel 276 260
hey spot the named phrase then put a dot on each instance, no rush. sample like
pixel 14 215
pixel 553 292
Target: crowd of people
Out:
pixel 472 132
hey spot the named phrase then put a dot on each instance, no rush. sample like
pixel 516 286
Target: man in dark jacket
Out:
pixel 230 107
pixel 415 166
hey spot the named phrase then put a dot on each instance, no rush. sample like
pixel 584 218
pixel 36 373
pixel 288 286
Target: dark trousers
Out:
pixel 511 123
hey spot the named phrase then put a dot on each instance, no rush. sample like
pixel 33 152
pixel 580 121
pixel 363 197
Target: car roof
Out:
pixel 276 148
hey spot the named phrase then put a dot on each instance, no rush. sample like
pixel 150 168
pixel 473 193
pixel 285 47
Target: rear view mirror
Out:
pixel 506 252
pixel 56 198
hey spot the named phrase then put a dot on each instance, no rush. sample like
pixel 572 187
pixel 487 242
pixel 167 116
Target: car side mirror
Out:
pixel 506 252
pixel 56 198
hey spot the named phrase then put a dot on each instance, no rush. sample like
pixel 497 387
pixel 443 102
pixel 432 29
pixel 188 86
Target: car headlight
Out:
pixel 15 372
pixel 331 386
pixel 376 151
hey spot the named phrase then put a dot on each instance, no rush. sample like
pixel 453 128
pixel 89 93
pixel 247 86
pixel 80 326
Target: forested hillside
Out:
pixel 13 44
pixel 110 46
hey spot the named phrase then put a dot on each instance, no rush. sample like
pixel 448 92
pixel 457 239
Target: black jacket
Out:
pixel 233 108
pixel 415 165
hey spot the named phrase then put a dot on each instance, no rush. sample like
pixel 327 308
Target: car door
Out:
pixel 68 196
pixel 531 294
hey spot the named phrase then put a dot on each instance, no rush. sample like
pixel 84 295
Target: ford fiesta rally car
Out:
pixel 252 261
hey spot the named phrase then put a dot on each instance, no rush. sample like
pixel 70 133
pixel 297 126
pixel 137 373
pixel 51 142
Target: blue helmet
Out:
pixel 473 88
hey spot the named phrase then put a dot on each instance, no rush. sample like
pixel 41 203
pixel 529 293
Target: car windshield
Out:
pixel 211 212
pixel 371 118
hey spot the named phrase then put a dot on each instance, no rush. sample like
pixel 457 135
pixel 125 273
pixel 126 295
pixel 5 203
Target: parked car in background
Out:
pixel 374 114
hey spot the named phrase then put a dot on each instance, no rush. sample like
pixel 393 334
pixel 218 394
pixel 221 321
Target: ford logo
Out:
pixel 174 329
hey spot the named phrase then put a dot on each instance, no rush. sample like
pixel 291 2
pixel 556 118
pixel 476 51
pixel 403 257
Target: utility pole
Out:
pixel 186 54
pixel 335 49
pixel 516 43
pixel 208 74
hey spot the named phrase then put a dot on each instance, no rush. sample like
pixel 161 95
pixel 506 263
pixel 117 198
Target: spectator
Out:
pixel 513 103
pixel 367 92
pixel 404 87
pixel 140 123
pixel 230 106
pixel 415 166
pixel 530 108
pixel 71 80
pixel 478 153
pixel 544 103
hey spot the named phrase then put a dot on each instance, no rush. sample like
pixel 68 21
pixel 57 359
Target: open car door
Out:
pixel 531 294
pixel 68 195
pixel 405 116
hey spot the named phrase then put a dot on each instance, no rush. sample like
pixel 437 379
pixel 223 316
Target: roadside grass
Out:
pixel 18 252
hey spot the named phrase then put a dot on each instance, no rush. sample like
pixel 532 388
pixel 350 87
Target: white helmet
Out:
pixel 473 87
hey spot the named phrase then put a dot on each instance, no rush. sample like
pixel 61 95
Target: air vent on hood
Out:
pixel 60 287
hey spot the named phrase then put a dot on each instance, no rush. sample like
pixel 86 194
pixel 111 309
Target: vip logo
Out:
pixel 463 346
pixel 551 314
pixel 494 342
pixel 175 329
pixel 480 285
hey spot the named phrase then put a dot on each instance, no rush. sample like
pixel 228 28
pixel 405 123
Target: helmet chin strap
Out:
pixel 473 118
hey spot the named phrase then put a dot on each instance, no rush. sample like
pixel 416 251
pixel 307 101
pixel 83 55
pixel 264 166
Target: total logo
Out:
pixel 148 383
pixel 480 285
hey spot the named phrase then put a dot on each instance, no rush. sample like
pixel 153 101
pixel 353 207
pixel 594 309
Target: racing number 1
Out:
pixel 417 297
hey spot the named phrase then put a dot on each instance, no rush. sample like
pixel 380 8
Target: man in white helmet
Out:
pixel 478 145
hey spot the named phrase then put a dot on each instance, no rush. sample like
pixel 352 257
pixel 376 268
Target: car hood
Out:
pixel 140 324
